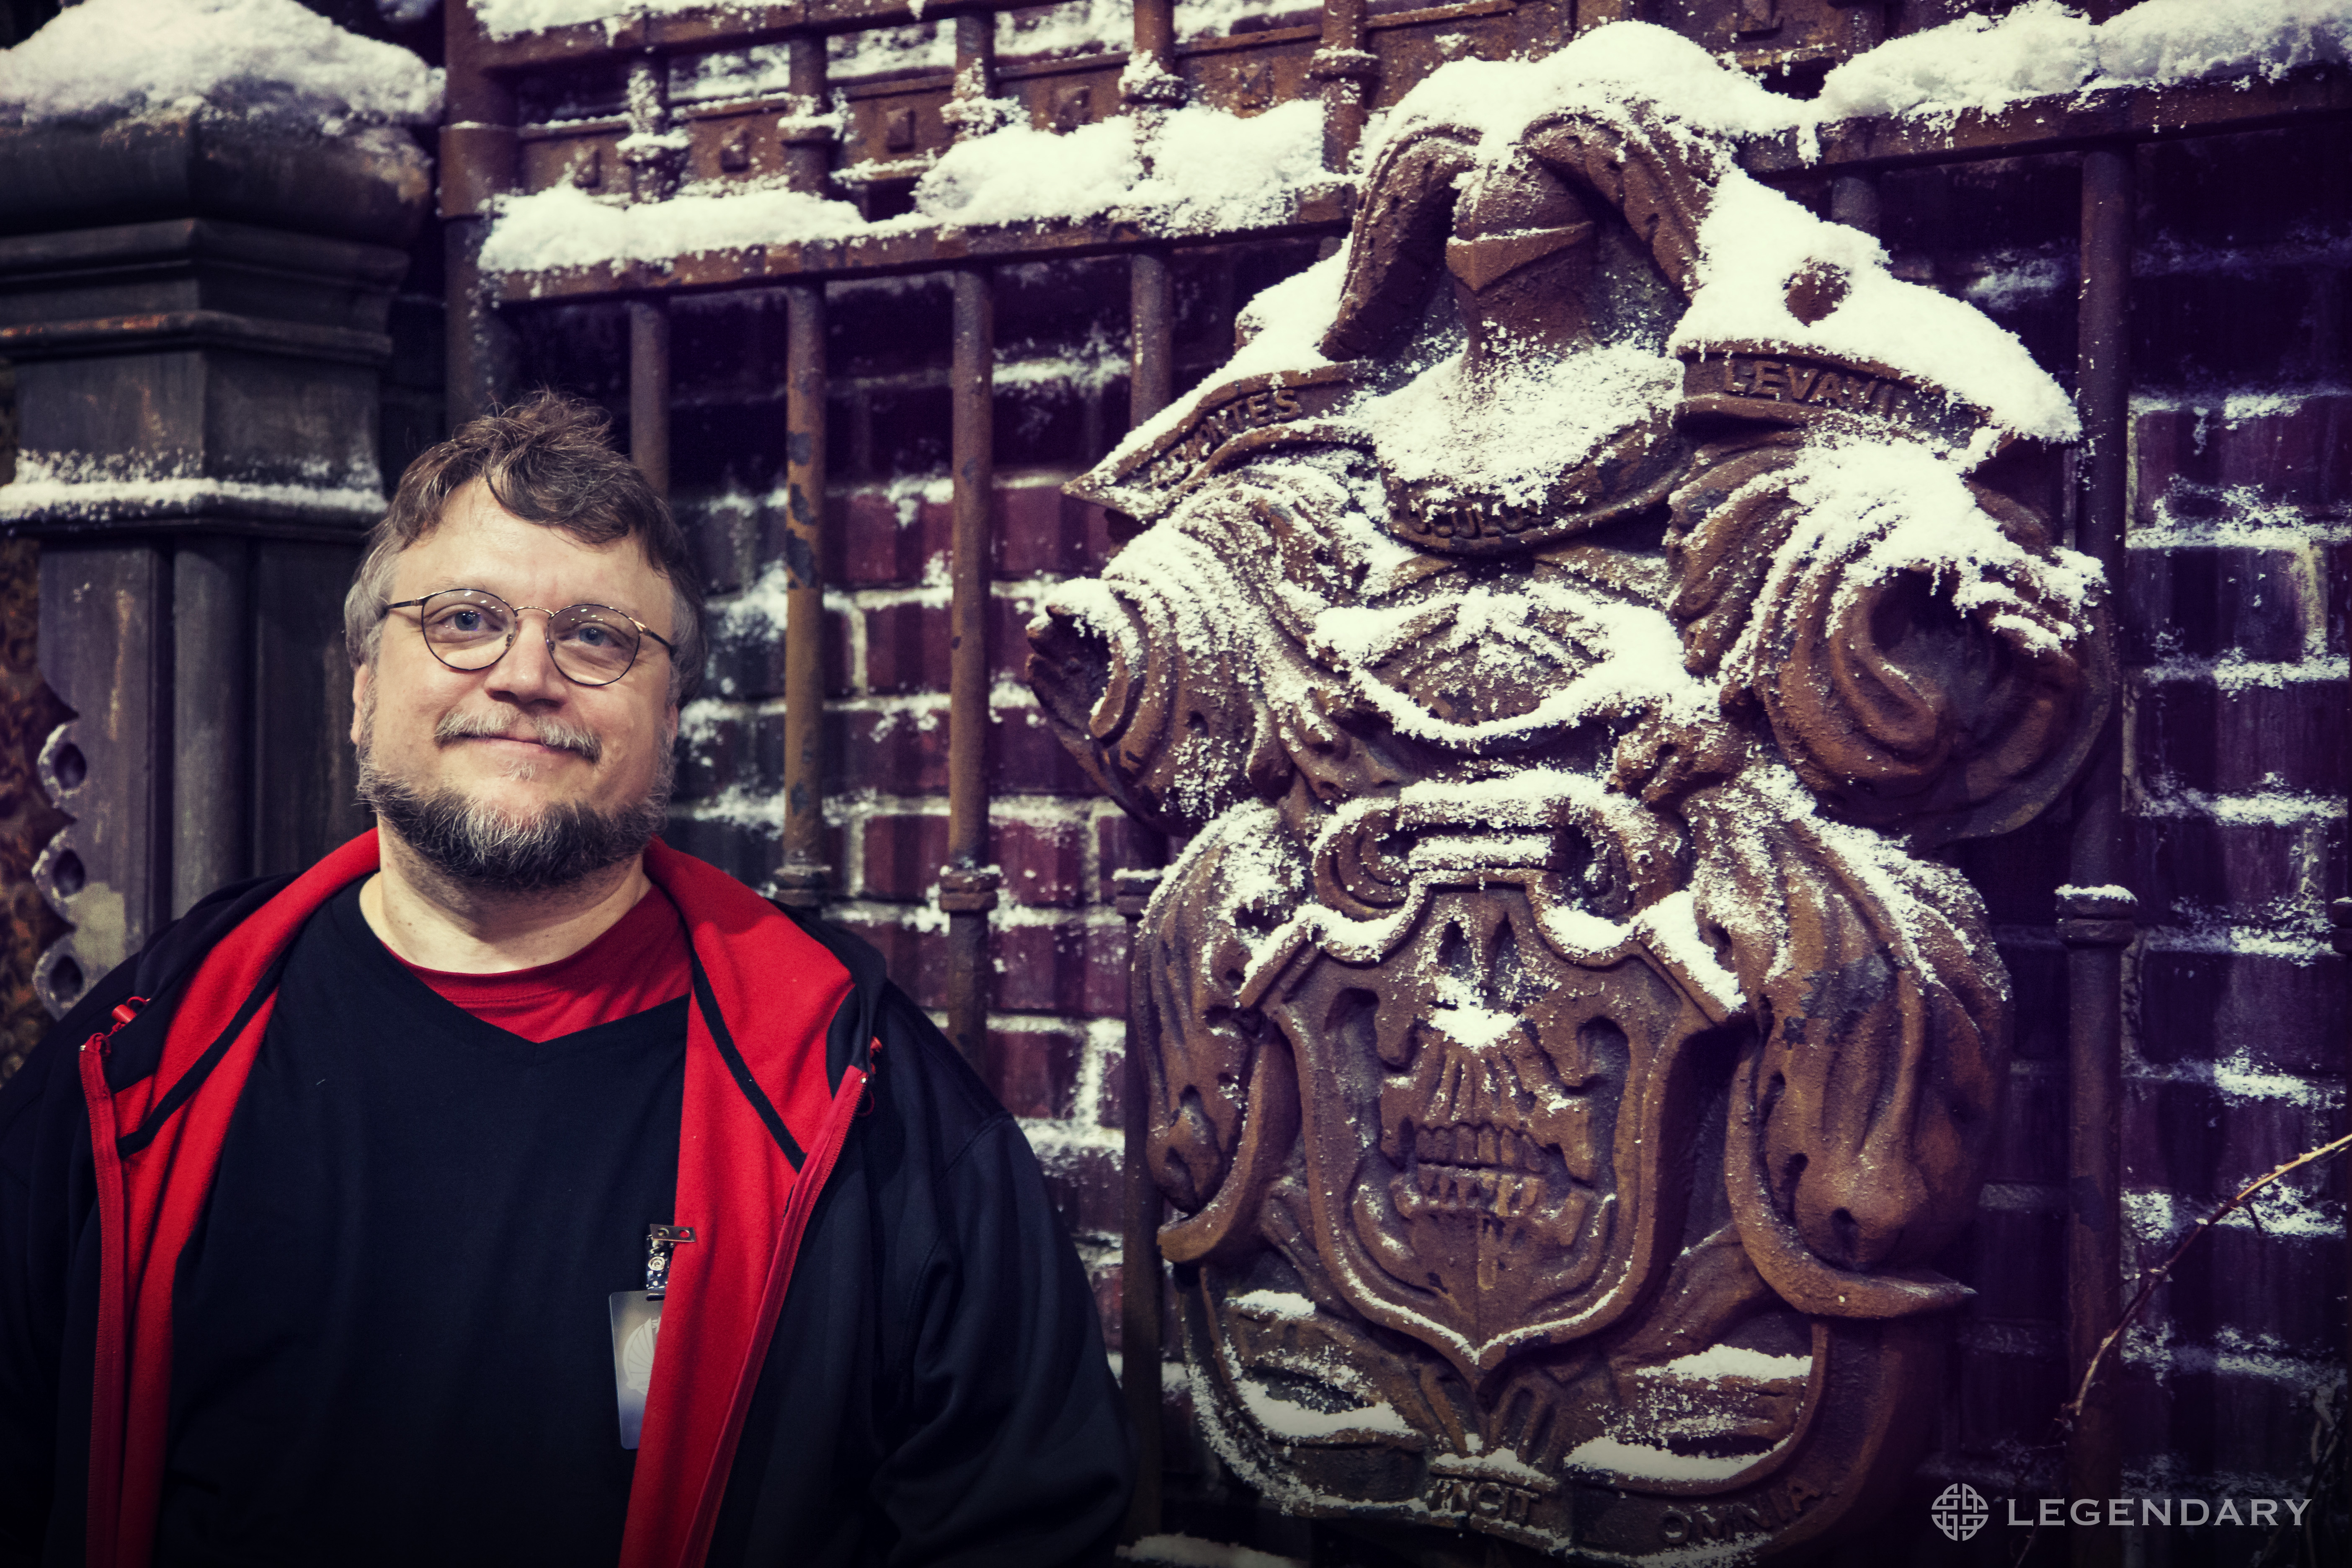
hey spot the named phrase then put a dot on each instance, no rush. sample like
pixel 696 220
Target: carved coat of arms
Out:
pixel 1565 636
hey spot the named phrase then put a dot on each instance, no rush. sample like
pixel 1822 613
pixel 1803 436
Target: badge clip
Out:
pixel 660 1240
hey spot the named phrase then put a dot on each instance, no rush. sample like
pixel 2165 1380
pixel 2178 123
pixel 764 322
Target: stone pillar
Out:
pixel 196 311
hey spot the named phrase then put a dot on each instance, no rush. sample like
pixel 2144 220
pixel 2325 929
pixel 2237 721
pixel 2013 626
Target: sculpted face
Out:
pixel 516 756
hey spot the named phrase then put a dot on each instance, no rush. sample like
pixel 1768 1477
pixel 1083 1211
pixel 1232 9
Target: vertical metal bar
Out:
pixel 2094 913
pixel 967 885
pixel 1151 376
pixel 649 391
pixel 1865 26
pixel 1346 69
pixel 478 162
pixel 1141 1329
pixel 1150 85
pixel 975 68
pixel 808 146
pixel 801 879
pixel 1155 32
pixel 654 165
pixel 2339 915
pixel 1152 367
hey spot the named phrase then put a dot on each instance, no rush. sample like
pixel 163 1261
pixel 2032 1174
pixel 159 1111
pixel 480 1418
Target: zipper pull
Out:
pixel 123 1013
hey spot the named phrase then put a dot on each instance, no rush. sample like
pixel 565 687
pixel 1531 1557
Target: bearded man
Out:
pixel 509 1187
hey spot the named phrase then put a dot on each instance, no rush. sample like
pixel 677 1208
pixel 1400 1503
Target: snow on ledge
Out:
pixel 101 497
pixel 269 61
pixel 1209 170
pixel 50 486
pixel 2042 48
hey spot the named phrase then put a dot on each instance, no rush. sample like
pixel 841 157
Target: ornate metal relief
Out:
pixel 31 713
pixel 1565 635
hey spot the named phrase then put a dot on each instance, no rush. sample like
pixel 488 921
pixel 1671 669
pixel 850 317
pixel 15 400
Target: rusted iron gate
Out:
pixel 1357 59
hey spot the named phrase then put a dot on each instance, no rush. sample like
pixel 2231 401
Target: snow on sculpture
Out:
pixel 1564 633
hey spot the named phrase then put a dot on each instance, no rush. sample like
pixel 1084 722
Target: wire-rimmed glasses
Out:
pixel 472 628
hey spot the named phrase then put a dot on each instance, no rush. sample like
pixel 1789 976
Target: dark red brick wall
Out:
pixel 2231 635
pixel 1059 950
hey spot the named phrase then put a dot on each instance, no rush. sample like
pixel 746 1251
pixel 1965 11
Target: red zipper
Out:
pixel 802 1201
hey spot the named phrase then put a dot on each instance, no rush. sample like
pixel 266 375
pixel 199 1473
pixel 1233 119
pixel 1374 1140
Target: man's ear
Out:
pixel 672 736
pixel 359 702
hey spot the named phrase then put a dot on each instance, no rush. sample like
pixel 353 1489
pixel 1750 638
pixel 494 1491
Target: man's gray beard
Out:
pixel 479 847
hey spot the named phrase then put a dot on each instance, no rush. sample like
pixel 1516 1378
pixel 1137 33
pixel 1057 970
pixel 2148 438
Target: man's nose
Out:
pixel 527 672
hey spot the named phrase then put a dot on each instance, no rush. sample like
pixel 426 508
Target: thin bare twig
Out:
pixel 2072 1411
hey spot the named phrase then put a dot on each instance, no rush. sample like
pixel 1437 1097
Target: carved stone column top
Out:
pixel 1564 629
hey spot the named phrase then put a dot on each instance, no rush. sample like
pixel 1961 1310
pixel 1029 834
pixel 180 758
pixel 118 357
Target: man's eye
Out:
pixel 463 622
pixel 589 635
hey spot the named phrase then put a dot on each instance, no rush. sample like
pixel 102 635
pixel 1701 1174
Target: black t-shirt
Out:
pixel 390 1335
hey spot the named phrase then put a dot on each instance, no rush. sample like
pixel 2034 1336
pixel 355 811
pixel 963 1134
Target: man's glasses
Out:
pixel 592 644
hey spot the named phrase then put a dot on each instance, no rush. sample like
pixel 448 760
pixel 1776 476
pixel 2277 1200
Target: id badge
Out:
pixel 636 1324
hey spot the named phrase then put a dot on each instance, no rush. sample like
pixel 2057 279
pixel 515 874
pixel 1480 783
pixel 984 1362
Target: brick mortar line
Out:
pixel 2025 1338
pixel 2215 401
pixel 2232 674
pixel 2260 524
pixel 2235 939
pixel 2161 801
pixel 2321 1094
pixel 1005 916
pixel 2021 1197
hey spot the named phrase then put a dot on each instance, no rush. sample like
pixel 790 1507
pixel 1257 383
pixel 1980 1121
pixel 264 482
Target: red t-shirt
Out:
pixel 639 962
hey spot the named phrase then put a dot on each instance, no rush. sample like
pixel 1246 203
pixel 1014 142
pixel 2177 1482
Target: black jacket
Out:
pixel 936 1390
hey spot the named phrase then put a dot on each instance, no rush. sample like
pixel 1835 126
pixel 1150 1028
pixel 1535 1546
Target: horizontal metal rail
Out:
pixel 748 27
pixel 1320 214
pixel 1853 147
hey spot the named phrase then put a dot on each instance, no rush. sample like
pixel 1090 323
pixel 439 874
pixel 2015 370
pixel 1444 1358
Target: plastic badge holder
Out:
pixel 636 1324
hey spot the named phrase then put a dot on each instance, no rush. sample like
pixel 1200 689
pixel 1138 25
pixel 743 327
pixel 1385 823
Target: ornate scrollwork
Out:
pixel 31 720
pixel 1564 1054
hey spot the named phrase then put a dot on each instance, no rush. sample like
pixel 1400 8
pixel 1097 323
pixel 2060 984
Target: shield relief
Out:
pixel 1566 1052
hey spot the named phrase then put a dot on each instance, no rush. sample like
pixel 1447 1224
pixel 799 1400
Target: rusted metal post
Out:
pixel 2094 910
pixel 808 141
pixel 1346 69
pixel 1150 85
pixel 1152 363
pixel 649 391
pixel 801 876
pixel 1140 1327
pixel 1155 32
pixel 801 879
pixel 969 108
pixel 1865 25
pixel 1151 384
pixel 968 884
pixel 2339 915
pixel 478 161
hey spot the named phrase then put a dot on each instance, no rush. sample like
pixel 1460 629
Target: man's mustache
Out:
pixel 546 728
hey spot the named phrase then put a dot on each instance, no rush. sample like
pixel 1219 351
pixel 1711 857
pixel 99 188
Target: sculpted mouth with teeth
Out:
pixel 1500 1141
pixel 1472 1171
